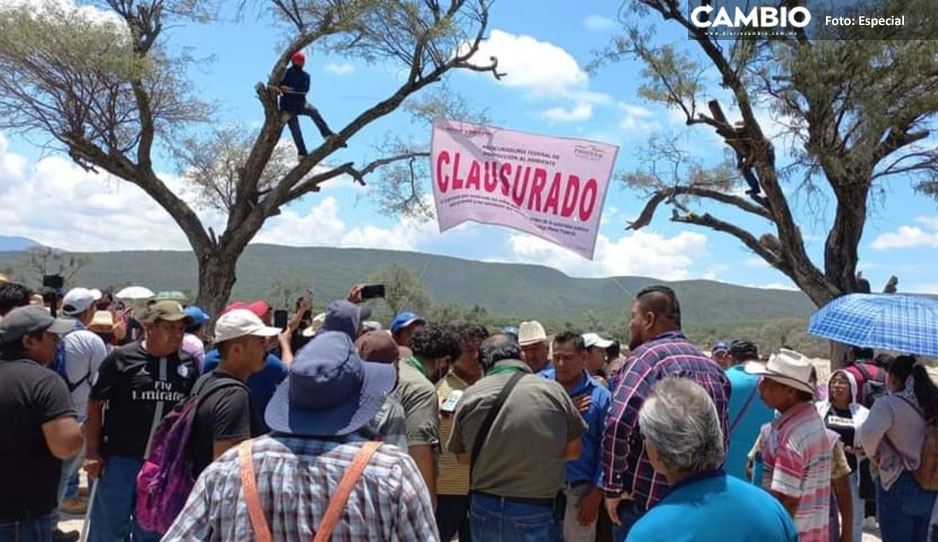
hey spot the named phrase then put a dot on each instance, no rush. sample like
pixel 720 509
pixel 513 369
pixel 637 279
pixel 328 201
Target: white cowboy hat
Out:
pixel 786 367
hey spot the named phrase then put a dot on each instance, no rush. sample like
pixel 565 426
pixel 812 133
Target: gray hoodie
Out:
pixel 344 316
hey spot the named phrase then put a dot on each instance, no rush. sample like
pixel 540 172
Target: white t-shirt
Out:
pixel 84 352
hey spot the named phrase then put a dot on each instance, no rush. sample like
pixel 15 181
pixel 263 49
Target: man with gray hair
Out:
pixel 684 442
pixel 520 430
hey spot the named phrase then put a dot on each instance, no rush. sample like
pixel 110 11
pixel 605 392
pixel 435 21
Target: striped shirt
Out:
pixel 295 478
pixel 797 462
pixel 453 478
pixel 625 464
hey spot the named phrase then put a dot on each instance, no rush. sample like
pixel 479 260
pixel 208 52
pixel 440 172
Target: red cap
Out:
pixel 299 58
pixel 235 305
pixel 260 308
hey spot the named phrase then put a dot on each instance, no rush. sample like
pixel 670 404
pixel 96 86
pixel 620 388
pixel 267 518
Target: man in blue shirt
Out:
pixel 747 413
pixel 684 442
pixel 293 89
pixel 581 475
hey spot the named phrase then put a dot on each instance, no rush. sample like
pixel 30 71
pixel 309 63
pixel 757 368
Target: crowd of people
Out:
pixel 334 428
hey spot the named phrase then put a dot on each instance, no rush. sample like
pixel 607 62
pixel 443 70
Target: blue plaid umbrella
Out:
pixel 901 323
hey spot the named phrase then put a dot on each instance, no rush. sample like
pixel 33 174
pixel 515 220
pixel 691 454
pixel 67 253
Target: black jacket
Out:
pixel 298 81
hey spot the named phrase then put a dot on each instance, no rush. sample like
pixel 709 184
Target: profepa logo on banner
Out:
pixel 550 187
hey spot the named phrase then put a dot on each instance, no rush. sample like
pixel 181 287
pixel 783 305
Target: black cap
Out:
pixel 23 321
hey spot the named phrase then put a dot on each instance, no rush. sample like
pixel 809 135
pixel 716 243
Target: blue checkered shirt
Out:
pixel 625 465
pixel 295 478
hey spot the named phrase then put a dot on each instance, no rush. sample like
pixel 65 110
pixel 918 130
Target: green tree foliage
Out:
pixel 855 112
pixel 105 83
pixel 40 261
pixel 403 289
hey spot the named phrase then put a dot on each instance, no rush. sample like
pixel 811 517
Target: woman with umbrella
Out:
pixel 892 435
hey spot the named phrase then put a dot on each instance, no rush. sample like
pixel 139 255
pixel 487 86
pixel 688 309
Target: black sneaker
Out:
pixel 60 536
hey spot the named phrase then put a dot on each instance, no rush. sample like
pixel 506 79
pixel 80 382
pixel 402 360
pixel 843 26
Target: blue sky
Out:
pixel 544 46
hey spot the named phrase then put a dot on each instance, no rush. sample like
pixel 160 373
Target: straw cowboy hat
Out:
pixel 786 367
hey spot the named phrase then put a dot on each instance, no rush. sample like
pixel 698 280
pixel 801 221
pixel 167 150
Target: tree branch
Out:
pixel 668 194
pixel 764 250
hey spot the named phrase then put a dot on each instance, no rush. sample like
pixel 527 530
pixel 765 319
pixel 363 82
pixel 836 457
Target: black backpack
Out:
pixel 872 388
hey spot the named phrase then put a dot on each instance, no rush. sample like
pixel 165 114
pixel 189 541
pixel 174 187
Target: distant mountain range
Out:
pixel 511 290
pixel 8 243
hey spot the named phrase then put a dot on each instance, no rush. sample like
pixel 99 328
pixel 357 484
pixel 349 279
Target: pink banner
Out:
pixel 551 187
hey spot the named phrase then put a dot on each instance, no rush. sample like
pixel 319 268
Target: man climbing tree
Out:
pixel 104 82
pixel 853 107
pixel 293 89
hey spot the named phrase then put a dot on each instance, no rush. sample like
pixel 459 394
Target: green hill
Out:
pixel 509 291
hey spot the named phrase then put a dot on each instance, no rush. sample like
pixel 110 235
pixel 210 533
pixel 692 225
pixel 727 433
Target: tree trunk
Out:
pixel 216 279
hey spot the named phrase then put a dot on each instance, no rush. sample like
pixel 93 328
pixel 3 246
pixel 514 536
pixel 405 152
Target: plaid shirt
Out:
pixel 295 478
pixel 624 462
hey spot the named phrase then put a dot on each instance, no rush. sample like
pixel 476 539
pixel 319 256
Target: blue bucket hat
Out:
pixel 196 315
pixel 405 319
pixel 329 389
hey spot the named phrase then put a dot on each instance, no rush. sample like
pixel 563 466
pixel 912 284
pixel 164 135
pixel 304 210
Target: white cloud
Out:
pixel 637 119
pixel 598 23
pixel 578 113
pixel 340 69
pixel 543 70
pixel 929 221
pixel 925 288
pixel 322 226
pixel 910 236
pixel 640 253
pixel 716 272
pixel 539 67
pixel 67 7
pixel 56 203
pixel 774 286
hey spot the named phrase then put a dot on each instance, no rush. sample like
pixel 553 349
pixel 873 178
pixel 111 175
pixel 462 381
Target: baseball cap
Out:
pixel 531 332
pixel 720 346
pixel 241 323
pixel 405 319
pixel 377 346
pixel 259 307
pixel 22 321
pixel 235 305
pixel 167 309
pixel 77 300
pixel 744 350
pixel 196 315
pixel 593 339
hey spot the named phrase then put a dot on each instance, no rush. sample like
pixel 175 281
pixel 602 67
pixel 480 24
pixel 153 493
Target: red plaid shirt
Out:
pixel 625 464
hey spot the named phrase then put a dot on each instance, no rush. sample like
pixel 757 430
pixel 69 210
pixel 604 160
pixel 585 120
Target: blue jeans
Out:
pixel 37 529
pixel 629 514
pixel 904 510
pixel 495 519
pixel 114 501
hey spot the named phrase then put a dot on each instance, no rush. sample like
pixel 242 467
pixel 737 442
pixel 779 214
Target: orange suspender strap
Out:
pixel 336 503
pixel 338 500
pixel 253 500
